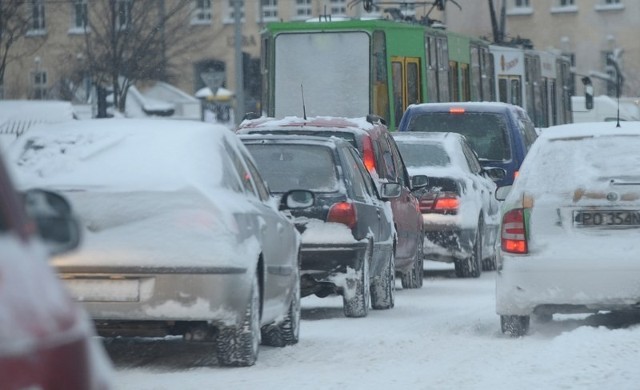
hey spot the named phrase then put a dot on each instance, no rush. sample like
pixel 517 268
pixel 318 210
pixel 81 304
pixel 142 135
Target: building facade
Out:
pixel 50 56
pixel 51 53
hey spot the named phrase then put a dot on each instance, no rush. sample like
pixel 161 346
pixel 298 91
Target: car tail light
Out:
pixel 367 154
pixel 515 174
pixel 343 212
pixel 456 110
pixel 514 234
pixel 442 203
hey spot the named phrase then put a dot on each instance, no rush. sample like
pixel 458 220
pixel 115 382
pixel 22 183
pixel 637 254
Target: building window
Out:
pixel 123 10
pixel 408 8
pixel 269 9
pixel 520 7
pixel 564 6
pixel 37 17
pixel 303 9
pixel 230 14
pixel 608 5
pixel 202 13
pixel 338 7
pixel 79 15
pixel 39 84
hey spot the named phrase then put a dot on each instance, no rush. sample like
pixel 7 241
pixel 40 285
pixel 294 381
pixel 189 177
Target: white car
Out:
pixel 181 236
pixel 570 226
pixel 460 212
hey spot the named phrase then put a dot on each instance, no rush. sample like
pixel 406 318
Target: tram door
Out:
pixel 405 73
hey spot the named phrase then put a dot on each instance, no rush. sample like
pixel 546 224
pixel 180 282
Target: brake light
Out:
pixel 343 212
pixel 447 204
pixel 443 203
pixel 515 174
pixel 367 155
pixel 514 234
pixel 456 110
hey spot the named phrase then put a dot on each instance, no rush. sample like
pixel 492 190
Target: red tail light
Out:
pixel 447 203
pixel 343 212
pixel 515 174
pixel 514 234
pixel 367 154
pixel 442 203
pixel 456 110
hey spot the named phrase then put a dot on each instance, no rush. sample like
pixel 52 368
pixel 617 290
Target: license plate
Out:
pixel 104 290
pixel 592 218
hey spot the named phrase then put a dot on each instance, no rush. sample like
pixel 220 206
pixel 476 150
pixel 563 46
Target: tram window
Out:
pixel 396 74
pixel 516 92
pixel 502 90
pixel 413 83
pixel 453 81
pixel 380 83
pixel 464 83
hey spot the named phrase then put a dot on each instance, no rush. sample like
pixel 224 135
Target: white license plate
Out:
pixel 104 290
pixel 599 218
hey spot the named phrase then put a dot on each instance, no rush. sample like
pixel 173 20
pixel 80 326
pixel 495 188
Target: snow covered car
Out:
pixel 570 226
pixel 181 234
pixel 461 214
pixel 348 239
pixel 46 339
pixel 382 159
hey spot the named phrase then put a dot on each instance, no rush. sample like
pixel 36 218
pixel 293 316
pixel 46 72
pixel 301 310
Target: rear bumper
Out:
pixel 193 294
pixel 448 243
pixel 528 284
pixel 331 268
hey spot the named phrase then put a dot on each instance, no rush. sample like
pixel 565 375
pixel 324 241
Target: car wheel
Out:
pixel 238 346
pixel 357 301
pixel 287 331
pixel 514 326
pixel 414 278
pixel 471 267
pixel 489 264
pixel 383 289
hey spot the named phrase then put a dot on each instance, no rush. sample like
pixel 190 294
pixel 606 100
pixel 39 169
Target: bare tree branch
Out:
pixel 129 41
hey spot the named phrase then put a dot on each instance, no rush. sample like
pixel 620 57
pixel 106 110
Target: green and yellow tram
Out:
pixel 357 67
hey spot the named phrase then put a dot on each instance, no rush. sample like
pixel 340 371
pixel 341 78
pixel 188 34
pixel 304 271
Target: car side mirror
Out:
pixel 419 181
pixel 495 173
pixel 297 199
pixel 390 190
pixel 53 216
pixel 502 192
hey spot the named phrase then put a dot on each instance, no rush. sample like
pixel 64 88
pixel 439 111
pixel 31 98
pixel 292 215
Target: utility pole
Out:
pixel 239 112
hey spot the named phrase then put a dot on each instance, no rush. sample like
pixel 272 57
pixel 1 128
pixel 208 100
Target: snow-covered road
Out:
pixel 443 336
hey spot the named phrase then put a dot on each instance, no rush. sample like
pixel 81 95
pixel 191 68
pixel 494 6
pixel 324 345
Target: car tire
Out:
pixel 415 277
pixel 238 346
pixel 383 288
pixel 515 326
pixel 471 267
pixel 356 302
pixel 489 264
pixel 286 332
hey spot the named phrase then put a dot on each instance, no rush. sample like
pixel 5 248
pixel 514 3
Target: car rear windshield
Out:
pixel 350 137
pixel 600 163
pixel 486 132
pixel 294 166
pixel 423 154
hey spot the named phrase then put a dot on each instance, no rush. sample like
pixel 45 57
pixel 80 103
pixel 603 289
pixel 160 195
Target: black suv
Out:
pixel 382 159
pixel 347 235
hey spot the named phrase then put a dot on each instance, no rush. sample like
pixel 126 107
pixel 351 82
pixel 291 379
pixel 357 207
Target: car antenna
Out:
pixel 304 110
